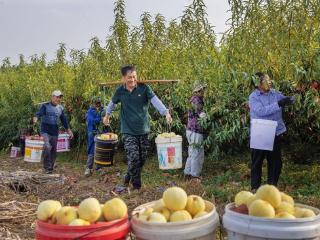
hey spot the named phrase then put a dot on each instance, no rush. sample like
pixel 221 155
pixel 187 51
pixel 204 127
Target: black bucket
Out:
pixel 104 151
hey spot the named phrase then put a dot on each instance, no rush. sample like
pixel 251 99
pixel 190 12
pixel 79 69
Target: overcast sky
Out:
pixel 37 26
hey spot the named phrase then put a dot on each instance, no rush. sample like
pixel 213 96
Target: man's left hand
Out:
pixel 70 133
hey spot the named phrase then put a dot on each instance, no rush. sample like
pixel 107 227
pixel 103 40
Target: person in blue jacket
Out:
pixel 50 114
pixel 93 119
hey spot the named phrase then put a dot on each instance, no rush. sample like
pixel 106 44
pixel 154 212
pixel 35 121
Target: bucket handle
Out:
pixel 169 125
pixel 97 230
pixel 35 129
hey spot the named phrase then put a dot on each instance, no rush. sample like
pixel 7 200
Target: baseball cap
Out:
pixel 57 93
pixel 96 99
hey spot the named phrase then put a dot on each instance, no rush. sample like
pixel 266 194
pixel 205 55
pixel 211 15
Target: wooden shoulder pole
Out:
pixel 110 83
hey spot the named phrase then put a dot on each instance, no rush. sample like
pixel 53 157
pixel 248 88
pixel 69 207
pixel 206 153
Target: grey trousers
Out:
pixel 50 151
pixel 195 154
pixel 90 161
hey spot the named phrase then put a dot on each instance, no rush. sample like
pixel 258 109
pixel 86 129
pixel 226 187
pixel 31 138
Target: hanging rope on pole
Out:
pixel 104 97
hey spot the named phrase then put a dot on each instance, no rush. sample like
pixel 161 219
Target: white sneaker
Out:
pixel 88 172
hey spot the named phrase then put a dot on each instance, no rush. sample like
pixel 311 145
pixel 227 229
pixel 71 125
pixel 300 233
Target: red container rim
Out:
pixel 91 226
pixel 117 229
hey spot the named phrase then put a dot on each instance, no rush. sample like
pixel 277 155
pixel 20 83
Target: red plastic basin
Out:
pixel 112 230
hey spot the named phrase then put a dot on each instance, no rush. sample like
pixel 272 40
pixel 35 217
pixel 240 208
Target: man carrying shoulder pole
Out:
pixel 135 127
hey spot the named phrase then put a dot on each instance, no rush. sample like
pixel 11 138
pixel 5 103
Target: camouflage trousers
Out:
pixel 136 148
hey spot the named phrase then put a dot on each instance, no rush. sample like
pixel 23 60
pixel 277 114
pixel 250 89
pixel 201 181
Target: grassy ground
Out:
pixel 222 179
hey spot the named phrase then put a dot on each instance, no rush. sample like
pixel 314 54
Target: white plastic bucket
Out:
pixel 202 228
pixel 169 152
pixel 15 152
pixel 262 134
pixel 243 227
pixel 63 143
pixel 33 150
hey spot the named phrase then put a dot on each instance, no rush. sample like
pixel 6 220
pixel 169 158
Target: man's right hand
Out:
pixel 202 115
pixel 35 120
pixel 168 118
pixel 106 120
pixel 285 102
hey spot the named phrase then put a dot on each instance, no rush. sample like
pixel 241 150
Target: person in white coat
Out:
pixel 194 133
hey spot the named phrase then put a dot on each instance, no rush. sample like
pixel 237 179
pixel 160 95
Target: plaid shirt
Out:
pixel 193 115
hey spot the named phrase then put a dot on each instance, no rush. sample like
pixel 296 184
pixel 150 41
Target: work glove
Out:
pixel 285 102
